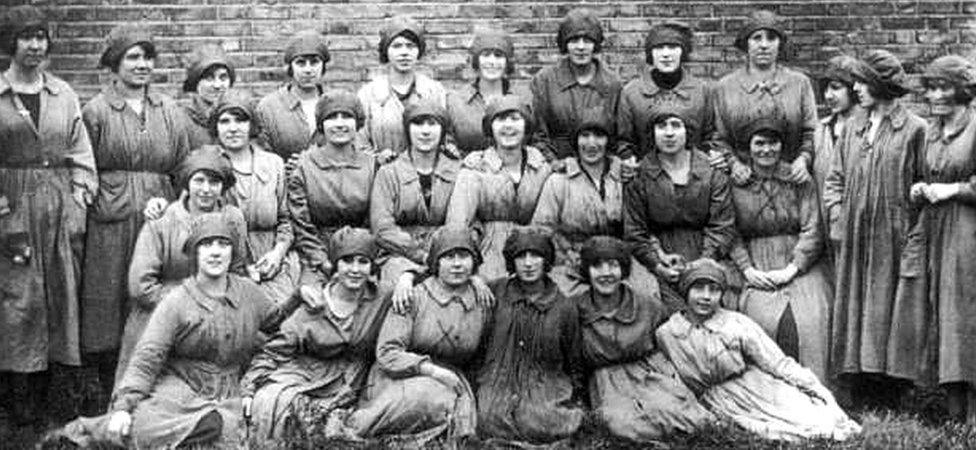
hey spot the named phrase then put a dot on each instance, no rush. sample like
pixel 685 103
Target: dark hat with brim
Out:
pixel 883 72
pixel 704 269
pixel 202 59
pixel 121 39
pixel 761 20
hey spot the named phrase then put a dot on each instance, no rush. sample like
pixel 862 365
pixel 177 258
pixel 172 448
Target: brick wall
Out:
pixel 254 31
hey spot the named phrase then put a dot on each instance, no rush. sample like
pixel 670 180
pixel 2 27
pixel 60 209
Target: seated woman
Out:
pixel 634 390
pixel 318 362
pixel 527 383
pixel 497 188
pixel 778 248
pixel 181 388
pixel 418 390
pixel 739 373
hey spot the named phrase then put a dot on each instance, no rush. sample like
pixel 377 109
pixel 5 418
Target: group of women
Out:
pixel 416 265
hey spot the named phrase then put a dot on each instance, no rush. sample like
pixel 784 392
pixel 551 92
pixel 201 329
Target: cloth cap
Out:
pixel 702 269
pixel 211 159
pixel 771 125
pixel 307 42
pixel 523 239
pixel 493 39
pixel 121 39
pixel 595 119
pixel 449 238
pixel 601 248
pixel 19 19
pixel 884 72
pixel 234 99
pixel 841 68
pixel 210 225
pixel 761 20
pixel 202 58
pixel 668 109
pixel 502 105
pixel 426 108
pixel 335 101
pixel 669 32
pixel 580 22
pixel 405 26
pixel 348 241
pixel 958 71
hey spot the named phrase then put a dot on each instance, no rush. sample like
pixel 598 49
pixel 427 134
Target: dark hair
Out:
pixel 374 269
pixel 509 64
pixel 625 267
pixel 963 94
pixel 194 267
pixel 148 48
pixel 409 34
pixel 510 262
pixel 224 186
pixel 23 34
pixel 240 114
pixel 291 73
pixel 435 268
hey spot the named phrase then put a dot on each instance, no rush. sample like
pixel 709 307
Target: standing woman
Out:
pixel 580 80
pixel 493 58
pixel 287 115
pixel 498 188
pixel 209 74
pixel 777 250
pixel 765 88
pixel 932 331
pixel 678 208
pixel 867 193
pixel 139 139
pixel 47 177
pixel 330 185
pixel 383 99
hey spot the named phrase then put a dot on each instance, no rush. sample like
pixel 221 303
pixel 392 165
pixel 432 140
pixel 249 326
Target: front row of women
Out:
pixel 448 365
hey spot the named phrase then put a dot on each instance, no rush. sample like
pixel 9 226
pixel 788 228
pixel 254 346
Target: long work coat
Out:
pixel 384 110
pixel 284 130
pixel 466 108
pixel 136 155
pixel 39 166
pixel 867 196
pixel 196 113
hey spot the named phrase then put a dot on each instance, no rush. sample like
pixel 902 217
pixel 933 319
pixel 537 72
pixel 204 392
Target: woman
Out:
pixel 935 338
pixel 139 139
pixel 418 391
pixel 777 251
pixel 181 389
pixel 47 179
pixel 739 373
pixel 634 390
pixel 331 182
pixel 664 80
pixel 678 208
pixel 158 263
pixel 317 363
pixel 209 74
pixel 584 200
pixel 493 59
pixel 580 80
pixel 498 188
pixel 867 195
pixel 529 383
pixel 764 88
pixel 287 115
pixel 402 44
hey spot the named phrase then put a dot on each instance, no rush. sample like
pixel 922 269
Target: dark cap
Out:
pixel 580 22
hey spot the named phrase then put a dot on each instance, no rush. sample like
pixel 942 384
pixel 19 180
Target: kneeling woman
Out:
pixel 319 360
pixel 634 389
pixel 531 371
pixel 418 390
pixel 181 387
pixel 739 373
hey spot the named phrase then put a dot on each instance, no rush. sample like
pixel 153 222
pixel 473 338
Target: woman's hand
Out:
pixel 119 426
pixel 758 279
pixel 292 162
pixel 81 196
pixel 482 293
pixel 740 172
pixel 939 192
pixel 403 293
pixel 444 376
pixel 783 276
pixel 246 408
pixel 155 208
pixel 628 168
pixel 718 161
pixel 269 264
pixel 917 192
pixel 666 273
pixel 386 155
pixel 798 171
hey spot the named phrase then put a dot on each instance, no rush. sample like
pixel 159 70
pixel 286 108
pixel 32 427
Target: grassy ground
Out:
pixel 920 423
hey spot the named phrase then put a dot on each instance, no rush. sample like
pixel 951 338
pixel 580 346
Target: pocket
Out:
pixel 112 204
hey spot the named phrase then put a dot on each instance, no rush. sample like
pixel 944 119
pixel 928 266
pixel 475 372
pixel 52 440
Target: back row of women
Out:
pixel 738 171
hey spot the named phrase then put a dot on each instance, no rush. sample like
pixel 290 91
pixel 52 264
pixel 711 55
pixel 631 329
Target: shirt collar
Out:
pixel 113 95
pixel 952 129
pixel 751 83
pixel 540 301
pixel 489 159
pixel 443 297
pixel 715 324
pixel 565 78
pixel 327 159
pixel 573 169
pixel 47 84
pixel 625 312
pixel 896 114
pixel 445 168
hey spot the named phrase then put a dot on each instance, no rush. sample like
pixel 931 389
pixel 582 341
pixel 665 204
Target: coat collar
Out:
pixel 113 95
pixel 198 109
pixel 442 297
pixel 490 161
pixel 540 302
pixel 379 88
pixel 716 324
pixel 48 84
pixel 601 78
pixel 290 98
pixel 782 173
pixel 751 83
pixel 446 168
pixel 625 312
pixel 896 114
pixel 263 164
pixel 326 159
pixel 683 90
pixel 573 169
pixel 952 129
pixel 207 302
pixel 700 169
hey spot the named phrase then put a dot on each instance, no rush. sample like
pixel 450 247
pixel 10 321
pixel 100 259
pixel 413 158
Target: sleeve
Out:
pixel 721 138
pixel 541 138
pixel 809 244
pixel 709 133
pixel 280 349
pixel 92 122
pixel 571 341
pixel 307 241
pixel 720 229
pixel 79 152
pixel 834 185
pixel 915 250
pixel 180 136
pixel 382 218
pixel 626 130
pixel 463 207
pixel 163 330
pixel 760 350
pixel 739 254
pixel 967 191
pixel 366 132
pixel 808 124
pixel 392 354
pixel 266 125
pixel 146 284
pixel 284 234
pixel 550 205
pixel 646 246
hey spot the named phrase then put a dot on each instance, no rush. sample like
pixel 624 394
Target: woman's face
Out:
pixel 508 129
pixel 204 190
pixel 763 48
pixel 307 70
pixel 233 130
pixel 530 266
pixel 592 146
pixel 670 135
pixel 581 50
pixel 339 128
pixel 666 58
pixel 425 134
pixel 403 54
pixel 455 267
pixel 352 272
pixel 606 276
pixel 214 256
pixel 491 64
pixel 864 96
pixel 214 84
pixel 838 97
pixel 940 94
pixel 136 67
pixel 765 150
pixel 31 49
pixel 703 299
